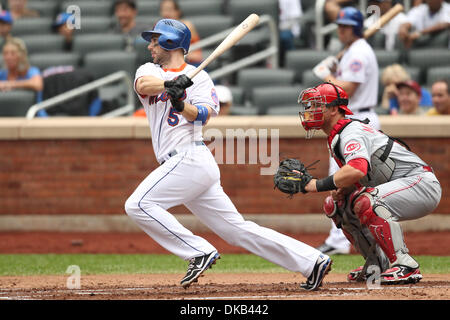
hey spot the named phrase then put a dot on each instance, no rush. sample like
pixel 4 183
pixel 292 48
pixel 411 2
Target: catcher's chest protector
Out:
pixel 381 167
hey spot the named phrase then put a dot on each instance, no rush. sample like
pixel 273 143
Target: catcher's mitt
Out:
pixel 291 182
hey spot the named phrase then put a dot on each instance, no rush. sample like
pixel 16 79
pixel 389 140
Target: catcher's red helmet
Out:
pixel 313 100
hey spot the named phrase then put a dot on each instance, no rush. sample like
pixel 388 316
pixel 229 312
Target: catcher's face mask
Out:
pixel 311 110
pixel 314 100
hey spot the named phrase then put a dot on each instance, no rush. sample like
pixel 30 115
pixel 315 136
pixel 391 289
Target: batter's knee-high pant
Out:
pixel 192 178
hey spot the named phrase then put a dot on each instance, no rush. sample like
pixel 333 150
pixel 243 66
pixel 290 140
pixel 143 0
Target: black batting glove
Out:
pixel 177 95
pixel 181 81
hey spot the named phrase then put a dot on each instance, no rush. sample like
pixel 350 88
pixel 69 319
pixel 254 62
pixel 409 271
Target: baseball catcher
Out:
pixel 380 182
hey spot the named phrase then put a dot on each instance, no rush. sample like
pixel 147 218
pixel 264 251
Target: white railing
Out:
pixel 127 109
pixel 271 53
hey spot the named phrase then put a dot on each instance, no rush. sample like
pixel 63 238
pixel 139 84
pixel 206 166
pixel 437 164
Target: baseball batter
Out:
pixel 357 73
pixel 175 106
pixel 380 182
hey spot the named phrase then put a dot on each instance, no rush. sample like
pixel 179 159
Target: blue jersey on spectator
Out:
pixel 32 71
pixel 425 100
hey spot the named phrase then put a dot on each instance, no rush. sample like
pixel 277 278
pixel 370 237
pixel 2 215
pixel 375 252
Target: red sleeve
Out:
pixel 360 164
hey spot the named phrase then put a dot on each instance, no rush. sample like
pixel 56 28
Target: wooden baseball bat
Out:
pixel 385 18
pixel 237 34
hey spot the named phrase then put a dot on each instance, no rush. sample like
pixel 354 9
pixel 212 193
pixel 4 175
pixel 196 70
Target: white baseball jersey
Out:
pixel 421 18
pixel 191 177
pixel 359 64
pixel 168 128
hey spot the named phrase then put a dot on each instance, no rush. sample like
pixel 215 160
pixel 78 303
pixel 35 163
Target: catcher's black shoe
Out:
pixel 197 266
pixel 401 275
pixel 322 267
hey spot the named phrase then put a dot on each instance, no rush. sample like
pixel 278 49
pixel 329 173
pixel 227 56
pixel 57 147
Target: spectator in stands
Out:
pixel 18 73
pixel 170 9
pixel 441 98
pixel 225 99
pixel 289 25
pixel 126 12
pixel 429 18
pixel 19 9
pixel 409 95
pixel 63 28
pixel 6 23
pixel 332 8
pixel 391 76
pixel 391 29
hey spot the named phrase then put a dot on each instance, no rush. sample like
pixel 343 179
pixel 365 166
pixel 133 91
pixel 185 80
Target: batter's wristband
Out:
pixel 326 184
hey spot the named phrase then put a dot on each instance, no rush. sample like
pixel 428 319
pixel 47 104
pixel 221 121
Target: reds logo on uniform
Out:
pixel 351 147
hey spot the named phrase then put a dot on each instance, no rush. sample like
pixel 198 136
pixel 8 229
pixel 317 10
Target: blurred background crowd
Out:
pixel 51 46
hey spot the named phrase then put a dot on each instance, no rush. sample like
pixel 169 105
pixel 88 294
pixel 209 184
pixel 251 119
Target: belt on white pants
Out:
pixel 181 149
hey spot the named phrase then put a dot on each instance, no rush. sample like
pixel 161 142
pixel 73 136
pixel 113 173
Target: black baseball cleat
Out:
pixel 322 267
pixel 401 275
pixel 197 266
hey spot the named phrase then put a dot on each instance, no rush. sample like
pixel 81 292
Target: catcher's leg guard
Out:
pixel 358 235
pixel 333 210
pixel 386 231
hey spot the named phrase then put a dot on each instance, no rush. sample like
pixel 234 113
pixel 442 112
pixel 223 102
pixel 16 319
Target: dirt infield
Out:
pixel 214 286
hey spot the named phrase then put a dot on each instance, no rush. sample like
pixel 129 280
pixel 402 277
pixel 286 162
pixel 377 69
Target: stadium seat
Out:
pixel 147 8
pixel 291 110
pixel 96 24
pixel 310 79
pixel 211 24
pixel 427 58
pixel 237 110
pixel 274 96
pixel 386 58
pixel 263 77
pixel 308 4
pixel 437 73
pixel 46 8
pixel 16 103
pixel 52 59
pixel 377 41
pixel 142 53
pixel 43 43
pixel 303 60
pixel 90 8
pixel 86 43
pixel 30 26
pixel 240 9
pixel 149 20
pixel 103 63
pixel 238 95
pixel 201 7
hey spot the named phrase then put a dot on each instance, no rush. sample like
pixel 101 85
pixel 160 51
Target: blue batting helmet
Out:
pixel 173 34
pixel 351 16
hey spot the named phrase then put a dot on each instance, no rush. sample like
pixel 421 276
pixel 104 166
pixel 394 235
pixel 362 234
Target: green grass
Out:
pixel 56 264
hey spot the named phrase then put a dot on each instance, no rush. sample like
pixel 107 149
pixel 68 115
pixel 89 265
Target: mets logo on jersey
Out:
pixel 356 65
pixel 351 147
pixel 214 96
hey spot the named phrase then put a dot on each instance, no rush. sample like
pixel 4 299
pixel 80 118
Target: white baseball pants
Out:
pixel 192 178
